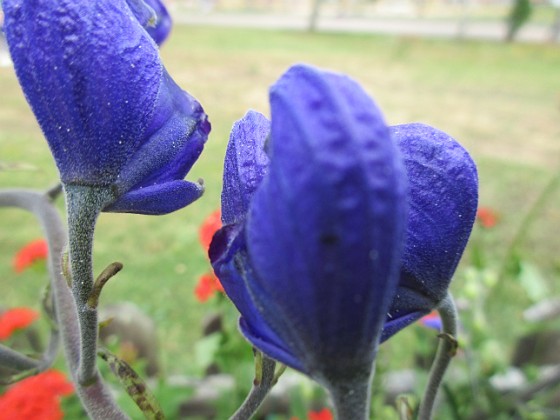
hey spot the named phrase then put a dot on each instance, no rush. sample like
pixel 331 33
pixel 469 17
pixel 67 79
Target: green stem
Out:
pixel 521 232
pixel 445 352
pixel 264 381
pixel 83 207
pixel 16 361
pixel 96 399
pixel 352 399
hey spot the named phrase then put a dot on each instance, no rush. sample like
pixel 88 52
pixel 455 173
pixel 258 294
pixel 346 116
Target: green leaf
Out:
pixel 532 281
pixel 205 350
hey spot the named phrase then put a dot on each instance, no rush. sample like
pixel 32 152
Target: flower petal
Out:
pixel 228 253
pixel 157 199
pixel 80 65
pixel 443 200
pixel 159 31
pixel 325 227
pixel 245 165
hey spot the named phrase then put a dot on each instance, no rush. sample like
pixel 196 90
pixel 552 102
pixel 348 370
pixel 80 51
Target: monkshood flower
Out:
pixel 311 248
pixel 113 117
pixel 443 194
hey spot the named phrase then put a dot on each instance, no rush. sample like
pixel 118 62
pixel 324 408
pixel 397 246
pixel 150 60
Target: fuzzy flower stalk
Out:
pixel 326 212
pixel 121 131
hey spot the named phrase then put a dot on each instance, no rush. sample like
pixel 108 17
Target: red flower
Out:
pixel 208 284
pixel 210 225
pixel 15 319
pixel 37 397
pixel 487 217
pixel 34 251
pixel 324 414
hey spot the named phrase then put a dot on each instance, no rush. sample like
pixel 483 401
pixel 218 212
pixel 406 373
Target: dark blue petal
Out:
pixel 228 253
pixel 91 75
pixel 175 138
pixel 160 29
pixel 157 199
pixel 245 165
pixel 443 186
pixel 326 225
pixel 144 11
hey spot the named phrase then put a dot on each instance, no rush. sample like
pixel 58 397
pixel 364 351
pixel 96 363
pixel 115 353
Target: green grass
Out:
pixel 502 102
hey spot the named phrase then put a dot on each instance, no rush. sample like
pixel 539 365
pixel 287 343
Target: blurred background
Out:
pixel 485 72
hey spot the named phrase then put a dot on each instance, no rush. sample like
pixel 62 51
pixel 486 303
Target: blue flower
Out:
pixel 311 248
pixel 113 117
pixel 443 196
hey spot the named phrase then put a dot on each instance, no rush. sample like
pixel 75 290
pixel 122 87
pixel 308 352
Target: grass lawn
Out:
pixel 502 102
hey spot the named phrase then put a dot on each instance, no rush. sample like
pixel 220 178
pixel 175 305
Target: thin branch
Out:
pixel 96 399
pixel 264 381
pixel 446 350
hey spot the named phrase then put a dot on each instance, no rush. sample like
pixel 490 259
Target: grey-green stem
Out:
pixel 96 399
pixel 83 204
pixel 445 352
pixel 264 381
pixel 352 400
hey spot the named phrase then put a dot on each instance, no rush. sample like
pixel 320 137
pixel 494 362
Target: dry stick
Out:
pixel 96 399
pixel 446 350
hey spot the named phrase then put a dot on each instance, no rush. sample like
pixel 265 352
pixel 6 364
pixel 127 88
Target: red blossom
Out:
pixel 36 397
pixel 210 225
pixel 324 414
pixel 15 319
pixel 487 217
pixel 36 250
pixel 207 285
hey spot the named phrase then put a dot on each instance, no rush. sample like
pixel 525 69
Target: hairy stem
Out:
pixel 96 399
pixel 264 381
pixel 352 401
pixel 446 350
pixel 83 207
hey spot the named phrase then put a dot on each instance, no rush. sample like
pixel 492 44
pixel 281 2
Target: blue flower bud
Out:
pixel 312 251
pixel 443 186
pixel 113 117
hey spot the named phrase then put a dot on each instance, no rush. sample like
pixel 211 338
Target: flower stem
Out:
pixel 264 381
pixel 352 400
pixel 446 350
pixel 83 207
pixel 96 399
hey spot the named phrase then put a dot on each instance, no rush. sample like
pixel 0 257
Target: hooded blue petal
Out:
pixel 95 82
pixel 245 165
pixel 325 226
pixel 443 187
pixel 160 29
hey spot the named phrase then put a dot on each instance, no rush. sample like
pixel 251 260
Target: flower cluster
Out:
pixel 339 231
pixel 37 397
